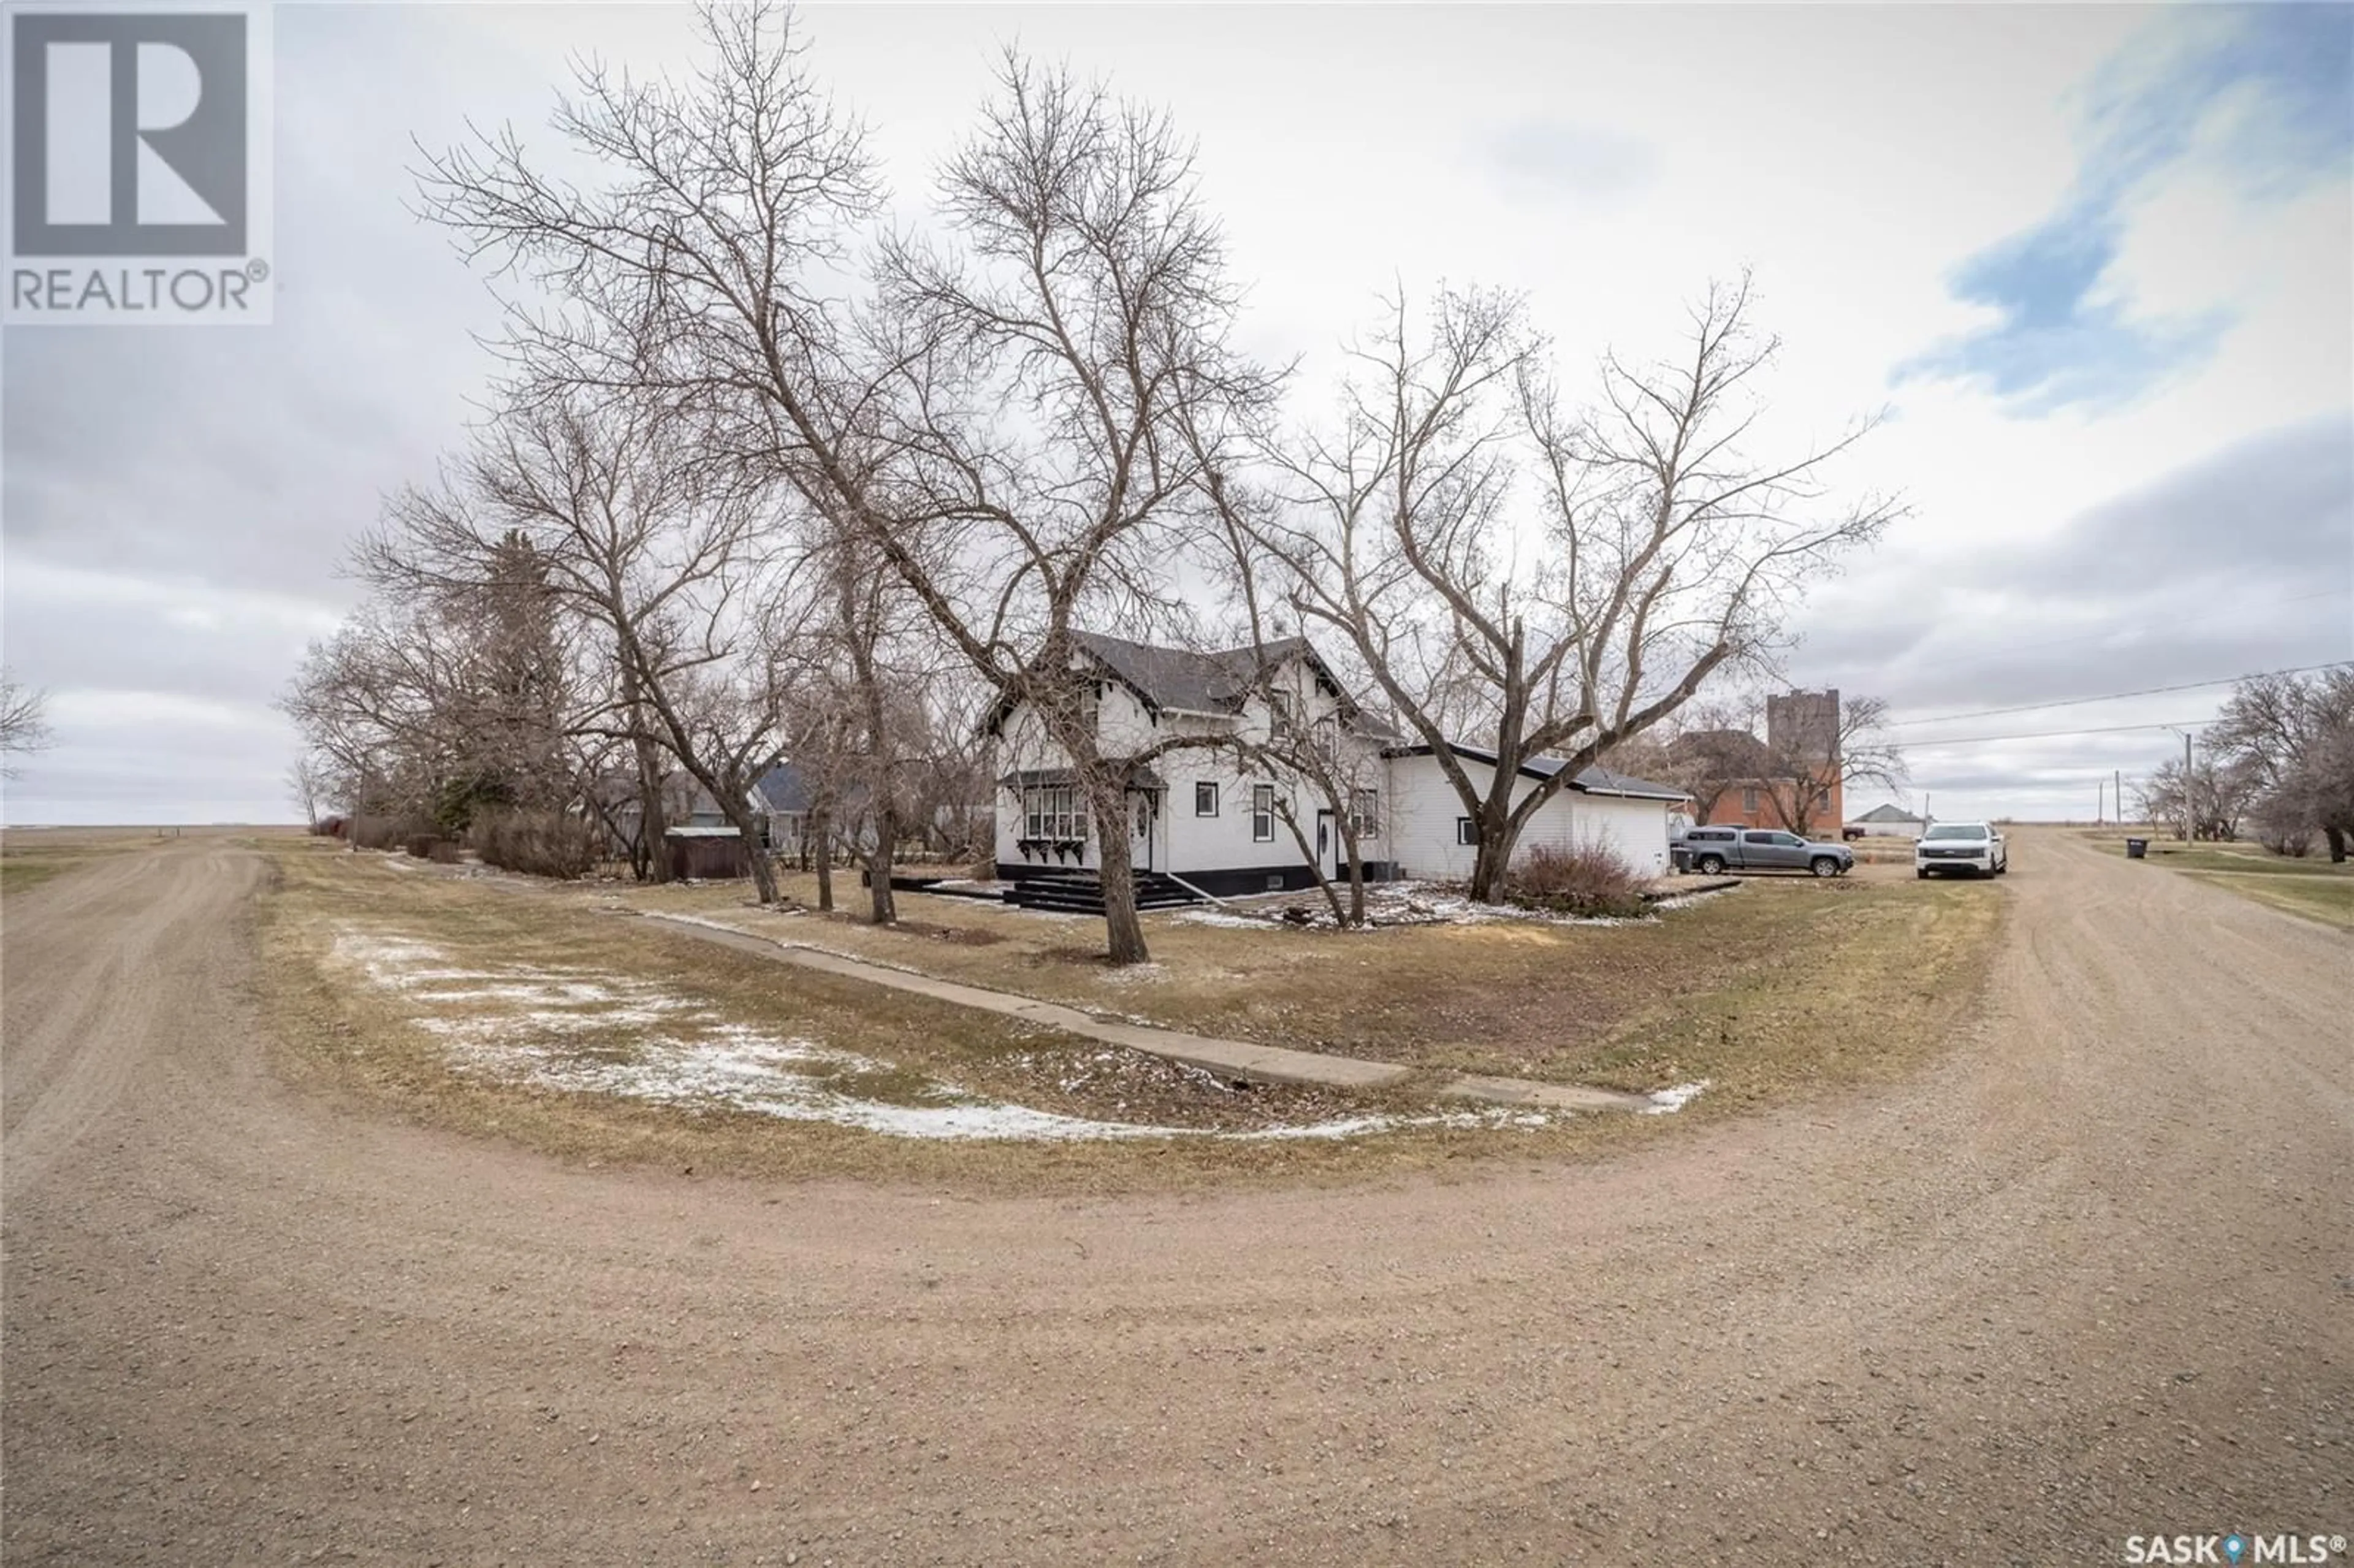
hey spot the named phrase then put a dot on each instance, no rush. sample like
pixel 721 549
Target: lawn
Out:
pixel 1560 1002
pixel 1780 990
pixel 2310 886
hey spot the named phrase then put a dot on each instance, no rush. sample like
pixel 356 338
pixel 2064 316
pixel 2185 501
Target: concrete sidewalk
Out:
pixel 1237 1058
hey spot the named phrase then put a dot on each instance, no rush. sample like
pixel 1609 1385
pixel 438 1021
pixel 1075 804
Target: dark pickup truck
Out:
pixel 1712 849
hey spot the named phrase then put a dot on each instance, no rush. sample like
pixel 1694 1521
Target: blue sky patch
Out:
pixel 2267 92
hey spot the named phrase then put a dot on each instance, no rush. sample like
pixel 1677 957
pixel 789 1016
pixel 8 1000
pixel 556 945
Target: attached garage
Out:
pixel 1430 836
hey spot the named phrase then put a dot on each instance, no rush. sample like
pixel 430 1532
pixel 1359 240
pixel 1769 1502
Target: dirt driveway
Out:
pixel 2092 1276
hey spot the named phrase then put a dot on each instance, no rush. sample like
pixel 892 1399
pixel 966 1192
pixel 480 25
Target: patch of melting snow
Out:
pixel 1418 903
pixel 698 1060
pixel 1220 917
pixel 1667 1102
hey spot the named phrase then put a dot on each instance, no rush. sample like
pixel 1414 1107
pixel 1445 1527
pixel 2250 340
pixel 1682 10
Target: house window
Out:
pixel 1205 799
pixel 1365 813
pixel 1282 716
pixel 1466 831
pixel 1749 799
pixel 1053 812
pixel 1263 813
pixel 1822 799
pixel 1327 738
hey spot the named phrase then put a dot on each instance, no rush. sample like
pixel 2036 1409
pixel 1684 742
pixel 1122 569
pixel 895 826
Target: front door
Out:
pixel 1139 849
pixel 1328 844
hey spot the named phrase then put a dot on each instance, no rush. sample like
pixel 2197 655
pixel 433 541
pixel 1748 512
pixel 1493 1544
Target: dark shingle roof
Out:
pixel 1591 780
pixel 1202 683
pixel 784 789
pixel 1210 682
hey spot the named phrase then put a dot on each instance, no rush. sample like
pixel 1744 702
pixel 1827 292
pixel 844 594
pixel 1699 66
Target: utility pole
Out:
pixel 2189 812
pixel 2118 795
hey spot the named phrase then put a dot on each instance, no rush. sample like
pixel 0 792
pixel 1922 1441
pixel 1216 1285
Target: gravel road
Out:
pixel 2091 1277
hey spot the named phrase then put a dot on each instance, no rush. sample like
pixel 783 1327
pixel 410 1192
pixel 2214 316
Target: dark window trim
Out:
pixel 1466 831
pixel 1199 786
pixel 1262 816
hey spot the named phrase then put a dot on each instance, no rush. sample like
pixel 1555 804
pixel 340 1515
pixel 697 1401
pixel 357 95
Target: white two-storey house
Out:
pixel 1211 803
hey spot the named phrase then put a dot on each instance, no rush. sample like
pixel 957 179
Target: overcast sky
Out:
pixel 2094 262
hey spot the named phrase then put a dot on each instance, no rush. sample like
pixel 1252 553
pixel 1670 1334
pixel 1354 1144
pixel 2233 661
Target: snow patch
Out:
pixel 1667 1102
pixel 526 1024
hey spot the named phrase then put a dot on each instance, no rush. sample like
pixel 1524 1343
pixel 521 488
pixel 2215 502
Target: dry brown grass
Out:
pixel 1783 989
pixel 1522 998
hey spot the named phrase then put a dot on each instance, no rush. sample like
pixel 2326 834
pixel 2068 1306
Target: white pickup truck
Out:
pixel 1975 848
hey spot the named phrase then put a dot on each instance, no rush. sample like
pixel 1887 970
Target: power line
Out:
pixel 2112 696
pixel 2054 734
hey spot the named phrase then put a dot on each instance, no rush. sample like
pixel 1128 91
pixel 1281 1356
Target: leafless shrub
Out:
pixel 1585 880
pixel 537 844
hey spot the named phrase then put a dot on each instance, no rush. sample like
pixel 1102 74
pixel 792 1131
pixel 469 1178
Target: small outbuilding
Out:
pixel 1888 822
pixel 706 853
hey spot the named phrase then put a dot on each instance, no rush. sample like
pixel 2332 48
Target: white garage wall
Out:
pixel 1425 810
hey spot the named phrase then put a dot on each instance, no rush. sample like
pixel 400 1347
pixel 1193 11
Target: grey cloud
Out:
pixel 177 501
pixel 2280 506
pixel 2234 562
pixel 1562 157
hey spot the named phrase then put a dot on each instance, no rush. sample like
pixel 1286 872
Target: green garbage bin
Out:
pixel 2136 849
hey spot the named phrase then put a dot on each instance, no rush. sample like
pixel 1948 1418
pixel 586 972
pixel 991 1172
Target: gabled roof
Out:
pixel 1590 781
pixel 783 788
pixel 1212 681
pixel 1892 812
pixel 1182 680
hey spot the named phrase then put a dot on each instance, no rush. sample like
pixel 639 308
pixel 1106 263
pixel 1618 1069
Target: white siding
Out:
pixel 1184 842
pixel 1424 812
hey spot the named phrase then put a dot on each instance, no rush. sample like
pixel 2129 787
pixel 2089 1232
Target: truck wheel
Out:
pixel 1709 864
pixel 1921 872
pixel 1823 866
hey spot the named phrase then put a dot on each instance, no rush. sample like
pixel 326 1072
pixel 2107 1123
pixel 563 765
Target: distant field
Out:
pixel 30 856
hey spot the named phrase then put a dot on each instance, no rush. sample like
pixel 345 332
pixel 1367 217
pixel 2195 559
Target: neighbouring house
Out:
pixel 782 800
pixel 1888 822
pixel 1760 784
pixel 1213 814
pixel 782 797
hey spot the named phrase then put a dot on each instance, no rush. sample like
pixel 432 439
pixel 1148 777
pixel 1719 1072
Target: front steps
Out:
pixel 1075 892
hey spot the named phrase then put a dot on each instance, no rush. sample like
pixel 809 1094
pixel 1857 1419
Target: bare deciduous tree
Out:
pixel 2292 737
pixel 1003 425
pixel 23 723
pixel 307 786
pixel 1535 583
pixel 671 561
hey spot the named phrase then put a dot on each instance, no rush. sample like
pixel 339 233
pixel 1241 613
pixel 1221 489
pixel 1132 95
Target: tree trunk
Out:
pixel 878 868
pixel 820 846
pixel 1124 931
pixel 1315 862
pixel 647 859
pixel 763 875
pixel 1495 854
pixel 1350 847
pixel 2337 837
